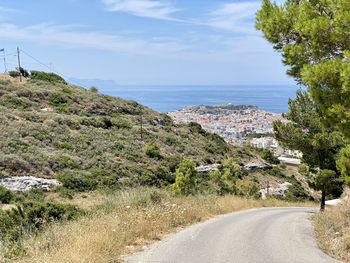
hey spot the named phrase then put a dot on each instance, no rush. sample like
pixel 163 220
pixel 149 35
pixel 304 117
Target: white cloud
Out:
pixel 145 8
pixel 70 37
pixel 236 17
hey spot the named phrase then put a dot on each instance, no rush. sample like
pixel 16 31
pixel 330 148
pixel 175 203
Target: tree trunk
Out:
pixel 323 200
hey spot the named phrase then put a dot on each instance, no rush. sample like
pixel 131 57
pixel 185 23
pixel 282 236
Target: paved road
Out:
pixel 271 235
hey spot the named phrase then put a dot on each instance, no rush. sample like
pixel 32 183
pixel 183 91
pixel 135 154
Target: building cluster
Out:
pixel 273 145
pixel 233 123
pixel 236 124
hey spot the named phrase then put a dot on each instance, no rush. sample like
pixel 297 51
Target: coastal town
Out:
pixel 237 124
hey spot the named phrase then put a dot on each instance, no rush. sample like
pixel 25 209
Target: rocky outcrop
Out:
pixel 26 183
pixel 207 168
pixel 280 190
pixel 257 166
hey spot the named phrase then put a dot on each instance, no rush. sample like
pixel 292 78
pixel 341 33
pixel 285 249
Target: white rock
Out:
pixel 280 190
pixel 26 183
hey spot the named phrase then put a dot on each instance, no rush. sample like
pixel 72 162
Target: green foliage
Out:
pixel 14 103
pixel 14 74
pixel 47 77
pixel 77 181
pixel 269 157
pixel 94 89
pixel 247 188
pixel 313 37
pixel 343 164
pixel 216 144
pixel 153 151
pixel 185 178
pixel 31 216
pixel 197 128
pixel 6 196
pixel 325 180
pixel 304 170
pixel 297 193
pixel 305 133
pixel 66 193
pixel 224 180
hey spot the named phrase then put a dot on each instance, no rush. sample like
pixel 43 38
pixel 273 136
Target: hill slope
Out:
pixel 50 128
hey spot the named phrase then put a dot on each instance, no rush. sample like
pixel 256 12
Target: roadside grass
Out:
pixel 333 230
pixel 126 221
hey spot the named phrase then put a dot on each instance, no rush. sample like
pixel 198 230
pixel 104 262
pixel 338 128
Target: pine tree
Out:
pixel 314 39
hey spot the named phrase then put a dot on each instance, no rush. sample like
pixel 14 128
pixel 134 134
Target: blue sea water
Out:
pixel 172 98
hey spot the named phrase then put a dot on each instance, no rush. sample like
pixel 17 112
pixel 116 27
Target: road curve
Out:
pixel 271 235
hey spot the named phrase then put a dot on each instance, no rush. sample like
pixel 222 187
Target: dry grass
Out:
pixel 126 222
pixel 333 230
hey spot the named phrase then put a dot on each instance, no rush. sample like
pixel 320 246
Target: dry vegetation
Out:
pixel 333 230
pixel 126 221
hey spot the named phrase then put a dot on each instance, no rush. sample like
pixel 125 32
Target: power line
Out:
pixel 41 63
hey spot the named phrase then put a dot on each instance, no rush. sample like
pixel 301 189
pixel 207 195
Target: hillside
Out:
pixel 50 128
pixel 90 141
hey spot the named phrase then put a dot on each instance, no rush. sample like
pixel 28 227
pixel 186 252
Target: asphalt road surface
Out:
pixel 271 235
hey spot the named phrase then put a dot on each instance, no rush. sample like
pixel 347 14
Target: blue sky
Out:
pixel 148 42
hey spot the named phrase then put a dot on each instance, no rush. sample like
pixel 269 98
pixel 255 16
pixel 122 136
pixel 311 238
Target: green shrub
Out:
pixel 14 74
pixel 196 128
pixel 185 178
pixel 66 193
pixel 170 139
pixel 67 90
pixel 269 157
pixel 121 123
pixel 14 103
pixel 104 178
pixel 153 151
pixel 247 188
pixel 216 144
pixel 48 77
pixel 94 89
pixel 58 99
pixel 97 122
pixel 159 178
pixel 31 216
pixel 77 181
pixel 6 196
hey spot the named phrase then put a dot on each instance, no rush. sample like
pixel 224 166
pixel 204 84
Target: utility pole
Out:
pixel 268 188
pixel 5 66
pixel 141 120
pixel 19 65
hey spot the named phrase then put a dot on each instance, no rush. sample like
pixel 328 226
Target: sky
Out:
pixel 142 42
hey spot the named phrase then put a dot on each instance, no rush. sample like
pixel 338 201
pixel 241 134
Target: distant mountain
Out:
pixel 87 83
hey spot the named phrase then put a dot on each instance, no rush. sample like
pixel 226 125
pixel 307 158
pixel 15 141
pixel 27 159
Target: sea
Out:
pixel 171 98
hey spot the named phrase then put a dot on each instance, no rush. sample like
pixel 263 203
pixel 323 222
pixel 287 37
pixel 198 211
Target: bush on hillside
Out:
pixel 77 181
pixel 94 89
pixel 6 196
pixel 14 74
pixel 153 151
pixel 196 128
pixel 248 188
pixel 48 77
pixel 269 157
pixel 32 215
pixel 185 178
